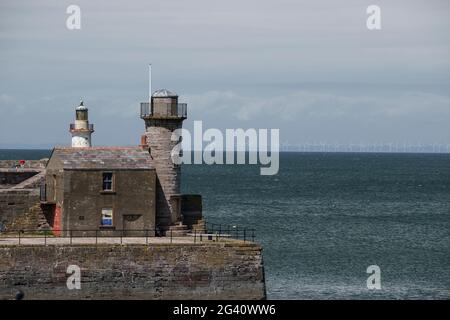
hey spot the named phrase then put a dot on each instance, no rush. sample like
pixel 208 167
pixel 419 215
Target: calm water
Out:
pixel 326 217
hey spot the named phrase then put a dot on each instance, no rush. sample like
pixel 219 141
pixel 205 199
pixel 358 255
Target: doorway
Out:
pixel 133 225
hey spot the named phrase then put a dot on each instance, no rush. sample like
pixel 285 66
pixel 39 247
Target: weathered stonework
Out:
pixel 74 189
pixel 19 194
pixel 15 205
pixel 159 133
pixel 28 164
pixel 133 194
pixel 161 271
pixel 12 177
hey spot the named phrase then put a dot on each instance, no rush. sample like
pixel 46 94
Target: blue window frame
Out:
pixel 107 217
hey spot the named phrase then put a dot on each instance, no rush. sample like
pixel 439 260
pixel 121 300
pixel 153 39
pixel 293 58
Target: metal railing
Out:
pixel 90 127
pixel 147 110
pixel 213 232
pixel 182 110
pixel 230 231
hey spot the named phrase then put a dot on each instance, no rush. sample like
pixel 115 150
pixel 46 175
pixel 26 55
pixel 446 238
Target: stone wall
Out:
pixel 159 271
pixel 19 194
pixel 83 199
pixel 15 204
pixel 30 164
pixel 9 178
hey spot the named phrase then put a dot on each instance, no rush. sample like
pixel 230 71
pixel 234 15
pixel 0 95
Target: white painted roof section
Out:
pixel 164 93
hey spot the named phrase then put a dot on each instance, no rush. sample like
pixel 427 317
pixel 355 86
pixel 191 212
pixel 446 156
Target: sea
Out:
pixel 325 218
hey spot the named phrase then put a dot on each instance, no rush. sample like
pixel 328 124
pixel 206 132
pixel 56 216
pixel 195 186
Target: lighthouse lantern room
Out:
pixel 81 130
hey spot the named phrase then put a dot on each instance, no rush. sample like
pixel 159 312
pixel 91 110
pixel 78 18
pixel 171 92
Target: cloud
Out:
pixel 312 104
pixel 301 115
pixel 217 49
pixel 5 98
pixel 319 115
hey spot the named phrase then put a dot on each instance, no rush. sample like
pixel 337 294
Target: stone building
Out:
pixel 117 191
pixel 106 189
pixel 100 188
pixel 121 188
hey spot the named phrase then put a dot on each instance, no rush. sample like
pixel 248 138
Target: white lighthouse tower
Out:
pixel 81 130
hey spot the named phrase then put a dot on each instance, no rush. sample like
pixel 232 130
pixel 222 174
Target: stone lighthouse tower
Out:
pixel 81 130
pixel 162 115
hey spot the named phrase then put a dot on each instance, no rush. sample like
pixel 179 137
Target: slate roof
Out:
pixel 103 158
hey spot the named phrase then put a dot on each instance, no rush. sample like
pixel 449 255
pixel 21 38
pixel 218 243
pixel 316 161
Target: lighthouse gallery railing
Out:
pixel 180 112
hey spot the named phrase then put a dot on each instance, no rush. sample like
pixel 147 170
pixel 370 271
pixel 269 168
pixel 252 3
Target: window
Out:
pixel 107 217
pixel 107 181
pixel 81 114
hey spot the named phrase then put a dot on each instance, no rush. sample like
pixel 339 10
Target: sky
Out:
pixel 309 68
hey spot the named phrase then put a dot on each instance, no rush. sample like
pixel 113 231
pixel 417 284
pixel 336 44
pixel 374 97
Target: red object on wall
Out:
pixel 144 142
pixel 57 221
